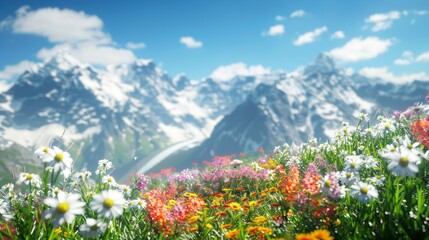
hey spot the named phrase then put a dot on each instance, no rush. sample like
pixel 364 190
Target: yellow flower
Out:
pixel 189 194
pixel 232 234
pixel 172 202
pixel 193 219
pixel 209 226
pixel 259 219
pixel 235 206
pixel 253 203
pixel 322 234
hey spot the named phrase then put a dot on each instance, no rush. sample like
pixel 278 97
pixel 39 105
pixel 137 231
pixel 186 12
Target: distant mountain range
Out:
pixel 127 112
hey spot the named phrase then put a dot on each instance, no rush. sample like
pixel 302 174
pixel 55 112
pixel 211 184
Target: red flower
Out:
pixel 420 130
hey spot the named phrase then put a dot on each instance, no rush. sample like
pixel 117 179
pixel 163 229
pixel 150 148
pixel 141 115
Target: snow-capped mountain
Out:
pixel 311 103
pixel 127 112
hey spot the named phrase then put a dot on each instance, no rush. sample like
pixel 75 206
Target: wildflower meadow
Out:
pixel 369 182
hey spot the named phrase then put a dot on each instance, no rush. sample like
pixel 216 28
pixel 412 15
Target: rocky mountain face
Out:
pixel 308 104
pixel 127 112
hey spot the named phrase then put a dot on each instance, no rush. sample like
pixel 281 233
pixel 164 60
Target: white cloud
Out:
pixel 12 71
pixel 78 33
pixel 60 25
pixel 423 57
pixel 280 18
pixel 407 58
pixel 90 53
pixel 310 37
pixel 190 42
pixel 338 35
pixel 135 45
pixel 358 49
pixel 225 73
pixel 275 30
pixel 382 21
pixel 385 74
pixel 297 13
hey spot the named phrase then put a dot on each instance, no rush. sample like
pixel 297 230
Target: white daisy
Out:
pixel 64 208
pixel 62 162
pixel 353 163
pixel 8 187
pixel 363 192
pixel 378 180
pixel 403 162
pixel 104 165
pixel 109 180
pixel 92 228
pixel 126 190
pixel 46 154
pixel 347 178
pixel 108 204
pixel 138 203
pixel 29 178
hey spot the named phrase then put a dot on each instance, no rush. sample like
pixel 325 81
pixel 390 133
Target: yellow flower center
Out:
pixel 393 149
pixel 63 207
pixel 46 150
pixel 108 203
pixel 328 183
pixel 403 161
pixel 364 190
pixel 109 179
pixel 348 175
pixel 29 176
pixel 353 165
pixel 409 146
pixel 59 157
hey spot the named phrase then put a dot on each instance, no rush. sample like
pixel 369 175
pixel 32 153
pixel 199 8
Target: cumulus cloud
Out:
pixel 77 32
pixel 358 49
pixel 385 74
pixel 91 53
pixel 297 13
pixel 338 35
pixel 275 30
pixel 135 45
pixel 406 59
pixel 382 21
pixel 12 71
pixel 190 42
pixel 59 25
pixel 225 73
pixel 423 57
pixel 310 37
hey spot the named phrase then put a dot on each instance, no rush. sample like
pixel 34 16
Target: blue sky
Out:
pixel 387 39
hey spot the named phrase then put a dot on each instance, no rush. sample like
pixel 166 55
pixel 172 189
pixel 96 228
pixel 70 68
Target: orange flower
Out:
pixel 252 230
pixel 420 130
pixel 232 234
pixel 193 229
pixel 240 189
pixel 225 226
pixel 304 236
pixel 221 214
pixel 322 234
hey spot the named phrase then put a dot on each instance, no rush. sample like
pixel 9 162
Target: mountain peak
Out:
pixel 62 60
pixel 323 63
